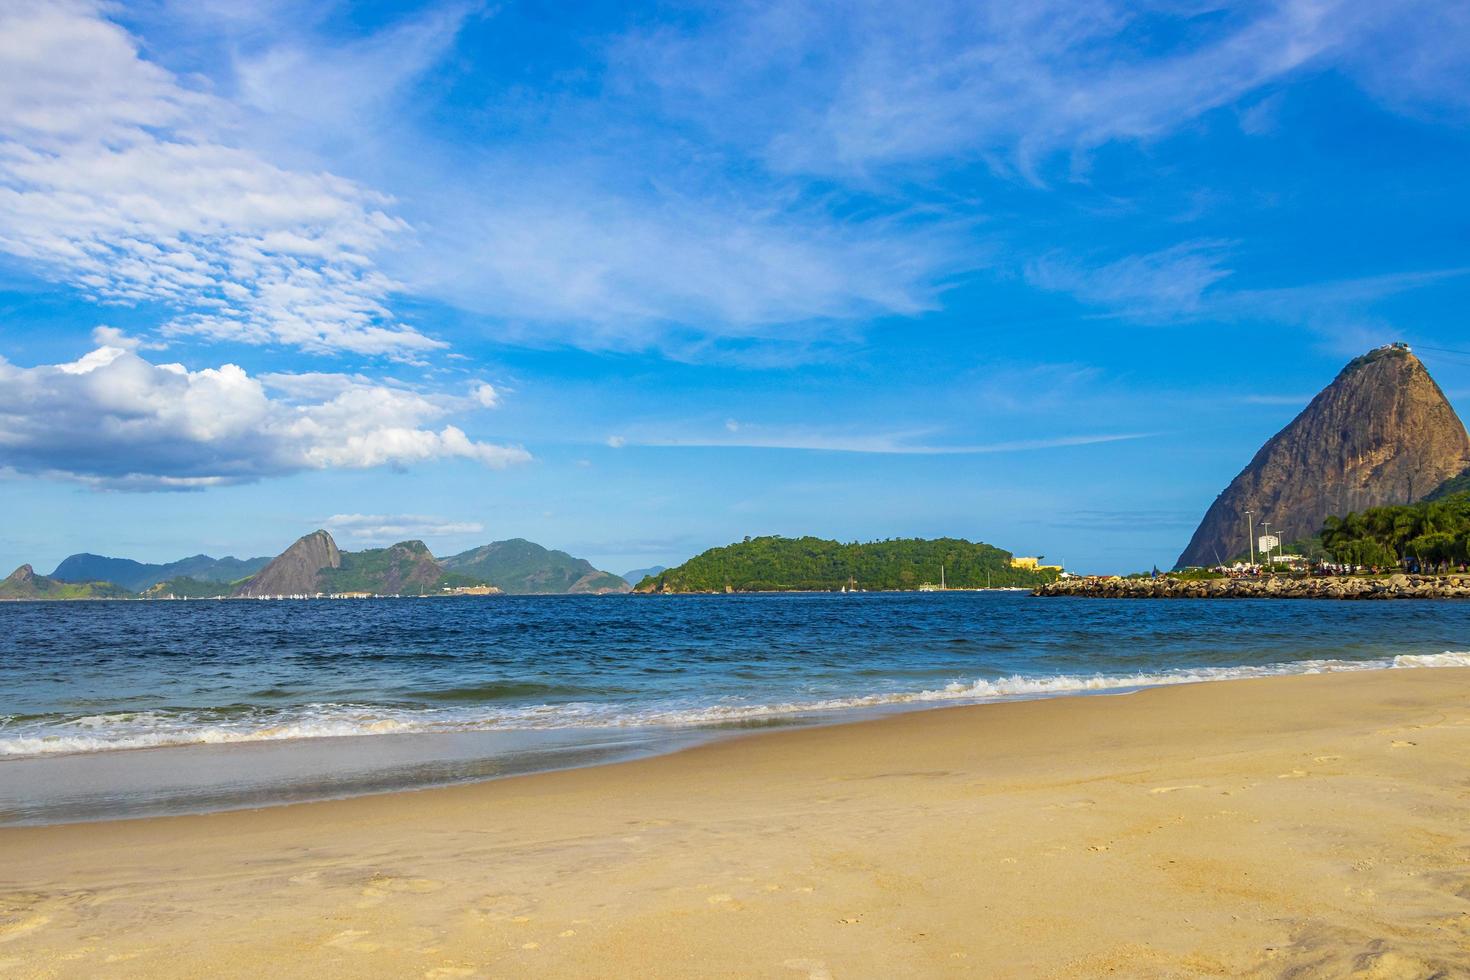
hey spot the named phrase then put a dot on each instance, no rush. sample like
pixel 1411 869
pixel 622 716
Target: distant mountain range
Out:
pixel 314 565
pixel 639 574
pixel 137 576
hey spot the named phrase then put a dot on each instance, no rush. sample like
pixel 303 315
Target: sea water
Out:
pixel 132 708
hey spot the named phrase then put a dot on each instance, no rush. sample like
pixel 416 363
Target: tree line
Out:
pixel 1433 532
pixel 773 564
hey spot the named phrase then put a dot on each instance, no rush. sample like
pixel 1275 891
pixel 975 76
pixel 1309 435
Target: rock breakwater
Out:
pixel 1335 587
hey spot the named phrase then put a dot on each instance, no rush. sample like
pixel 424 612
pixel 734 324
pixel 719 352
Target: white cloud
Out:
pixel 105 336
pixel 399 527
pixel 115 178
pixel 112 419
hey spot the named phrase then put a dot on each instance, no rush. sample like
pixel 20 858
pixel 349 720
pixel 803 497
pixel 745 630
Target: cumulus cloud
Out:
pixel 399 527
pixel 116 178
pixel 113 419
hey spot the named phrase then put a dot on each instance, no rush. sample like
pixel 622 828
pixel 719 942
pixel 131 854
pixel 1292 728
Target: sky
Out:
pixel 639 279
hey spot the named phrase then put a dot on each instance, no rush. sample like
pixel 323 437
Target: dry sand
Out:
pixel 1294 826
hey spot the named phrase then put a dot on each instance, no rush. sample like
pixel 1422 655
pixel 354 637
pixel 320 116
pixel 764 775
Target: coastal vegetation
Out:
pixel 1431 532
pixel 187 587
pixel 776 564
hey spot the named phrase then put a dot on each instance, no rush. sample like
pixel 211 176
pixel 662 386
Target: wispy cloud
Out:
pixel 399 527
pixel 1169 282
pixel 887 443
pixel 856 89
pixel 115 178
pixel 557 261
pixel 1121 521
pixel 115 420
pixel 1275 399
pixel 1188 282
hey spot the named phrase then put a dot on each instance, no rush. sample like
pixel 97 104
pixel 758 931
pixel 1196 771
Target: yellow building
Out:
pixel 1034 565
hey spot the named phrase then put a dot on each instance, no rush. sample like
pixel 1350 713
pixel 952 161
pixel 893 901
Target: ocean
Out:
pixel 112 709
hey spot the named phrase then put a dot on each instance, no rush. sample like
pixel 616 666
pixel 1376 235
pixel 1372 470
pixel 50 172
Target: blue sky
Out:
pixel 636 280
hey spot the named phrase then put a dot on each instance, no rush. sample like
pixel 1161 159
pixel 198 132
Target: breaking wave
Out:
pixel 56 735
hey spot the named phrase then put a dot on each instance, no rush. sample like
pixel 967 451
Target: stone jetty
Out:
pixel 1273 587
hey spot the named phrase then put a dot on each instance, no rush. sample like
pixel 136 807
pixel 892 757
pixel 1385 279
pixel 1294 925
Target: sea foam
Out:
pixel 39 736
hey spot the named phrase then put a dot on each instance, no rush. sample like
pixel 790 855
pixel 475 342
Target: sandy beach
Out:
pixel 1291 826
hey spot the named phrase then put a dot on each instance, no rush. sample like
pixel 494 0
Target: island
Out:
pixel 778 564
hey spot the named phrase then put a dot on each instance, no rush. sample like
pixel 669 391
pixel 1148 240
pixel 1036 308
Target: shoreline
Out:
pixel 206 775
pixel 1183 829
pixel 1341 588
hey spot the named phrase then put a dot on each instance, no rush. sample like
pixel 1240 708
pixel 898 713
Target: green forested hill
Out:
pixel 790 564
pixel 24 583
pixel 406 568
pixel 522 567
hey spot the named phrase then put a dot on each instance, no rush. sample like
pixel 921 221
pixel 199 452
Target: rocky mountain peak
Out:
pixel 22 575
pixel 296 571
pixel 1381 433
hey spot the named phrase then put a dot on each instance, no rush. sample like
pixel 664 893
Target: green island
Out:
pixel 807 564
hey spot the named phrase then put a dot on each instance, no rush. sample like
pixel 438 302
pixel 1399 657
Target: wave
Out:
pixel 504 691
pixel 50 735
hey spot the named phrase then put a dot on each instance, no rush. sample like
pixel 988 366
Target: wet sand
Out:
pixel 1288 826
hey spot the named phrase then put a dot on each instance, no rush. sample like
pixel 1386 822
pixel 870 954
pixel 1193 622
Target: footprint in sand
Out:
pixel 1400 743
pixel 814 969
pixel 1326 758
pixel 352 939
pixel 498 908
pixel 445 972
pixel 381 887
pixel 14 930
pixel 1173 789
pixel 1294 774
